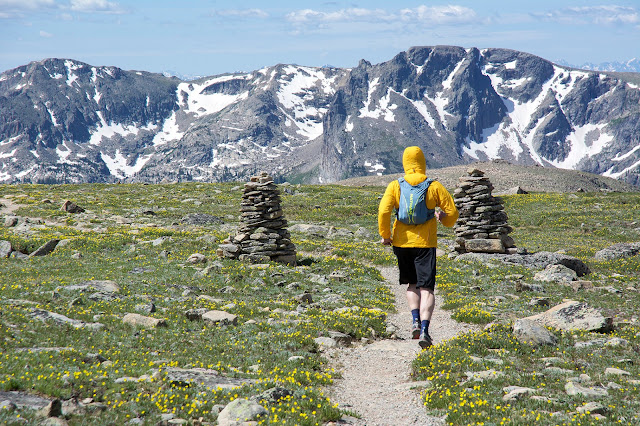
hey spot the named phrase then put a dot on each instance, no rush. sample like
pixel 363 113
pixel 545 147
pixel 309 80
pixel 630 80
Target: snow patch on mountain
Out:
pixel 200 103
pixel 586 141
pixel 296 90
pixel 170 131
pixel 516 133
pixel 118 166
pixel 109 130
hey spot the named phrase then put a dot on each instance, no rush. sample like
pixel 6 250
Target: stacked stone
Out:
pixel 482 226
pixel 262 234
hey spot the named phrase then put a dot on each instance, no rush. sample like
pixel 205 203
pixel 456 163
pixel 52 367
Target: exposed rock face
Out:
pixel 482 226
pixel 262 234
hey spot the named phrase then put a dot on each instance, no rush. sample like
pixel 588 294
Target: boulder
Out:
pixel 201 219
pixel 202 377
pixel 592 408
pixel 240 411
pixel 618 251
pixel 273 395
pixel 71 207
pixel 52 409
pixel 528 331
pixel 514 393
pixel 144 321
pixel 220 318
pixel 5 249
pixel 59 319
pixel 11 221
pixel 539 260
pixel 573 315
pixel 106 286
pixel 196 258
pixel 574 389
pixel 45 249
pixel 556 273
pixel 310 230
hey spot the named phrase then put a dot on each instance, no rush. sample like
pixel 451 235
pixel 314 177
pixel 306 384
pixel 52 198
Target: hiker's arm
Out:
pixel 444 200
pixel 384 213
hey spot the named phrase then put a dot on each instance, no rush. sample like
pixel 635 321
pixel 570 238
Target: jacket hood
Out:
pixel 413 161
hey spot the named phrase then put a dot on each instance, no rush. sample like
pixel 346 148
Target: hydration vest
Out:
pixel 412 208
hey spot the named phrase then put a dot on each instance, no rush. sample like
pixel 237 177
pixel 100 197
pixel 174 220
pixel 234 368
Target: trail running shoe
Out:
pixel 415 330
pixel 424 341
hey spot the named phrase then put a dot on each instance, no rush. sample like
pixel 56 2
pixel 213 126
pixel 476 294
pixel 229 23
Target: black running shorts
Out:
pixel 417 265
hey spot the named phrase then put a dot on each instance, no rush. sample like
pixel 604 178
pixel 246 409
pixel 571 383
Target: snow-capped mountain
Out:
pixel 632 65
pixel 66 121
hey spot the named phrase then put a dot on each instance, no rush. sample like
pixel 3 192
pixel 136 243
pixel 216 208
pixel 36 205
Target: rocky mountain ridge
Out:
pixel 66 121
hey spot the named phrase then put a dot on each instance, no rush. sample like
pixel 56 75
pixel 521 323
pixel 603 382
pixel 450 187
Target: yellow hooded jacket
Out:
pixel 423 235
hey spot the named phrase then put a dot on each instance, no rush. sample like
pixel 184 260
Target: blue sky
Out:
pixel 213 37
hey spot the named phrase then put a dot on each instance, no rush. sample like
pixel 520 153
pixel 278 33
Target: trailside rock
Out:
pixel 144 321
pixel 528 331
pixel 220 318
pixel 482 225
pixel 239 411
pixel 106 286
pixel 5 249
pixel 202 377
pixel 556 273
pixel 45 249
pixel 573 315
pixel 618 251
pixel 539 260
pixel 60 319
pixel 262 235
pixel 71 207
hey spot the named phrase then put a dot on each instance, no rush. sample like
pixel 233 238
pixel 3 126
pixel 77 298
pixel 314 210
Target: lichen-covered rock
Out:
pixel 528 331
pixel 144 321
pixel 239 411
pixel 573 315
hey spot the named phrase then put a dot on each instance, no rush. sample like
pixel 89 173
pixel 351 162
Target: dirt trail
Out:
pixel 376 380
pixel 7 206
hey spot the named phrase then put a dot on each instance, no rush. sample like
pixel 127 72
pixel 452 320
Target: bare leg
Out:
pixel 413 297
pixel 427 303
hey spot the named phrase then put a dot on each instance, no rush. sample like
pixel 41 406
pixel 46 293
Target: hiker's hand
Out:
pixel 440 215
pixel 386 241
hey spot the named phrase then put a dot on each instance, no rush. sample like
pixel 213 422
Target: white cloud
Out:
pixel 25 4
pixel 11 8
pixel 439 15
pixel 599 15
pixel 92 6
pixel 20 8
pixel 242 13
pixel 353 14
pixel 436 15
pixel 45 34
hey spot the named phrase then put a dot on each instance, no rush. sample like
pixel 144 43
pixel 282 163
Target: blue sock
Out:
pixel 425 327
pixel 415 313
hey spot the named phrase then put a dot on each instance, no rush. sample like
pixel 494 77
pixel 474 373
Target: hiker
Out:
pixel 414 236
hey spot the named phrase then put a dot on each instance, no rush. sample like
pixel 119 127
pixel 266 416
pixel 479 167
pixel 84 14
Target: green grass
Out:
pixel 115 237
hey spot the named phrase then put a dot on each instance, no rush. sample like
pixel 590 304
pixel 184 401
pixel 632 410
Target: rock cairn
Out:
pixel 482 226
pixel 262 234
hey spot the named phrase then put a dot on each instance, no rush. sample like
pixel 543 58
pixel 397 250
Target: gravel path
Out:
pixel 376 380
pixel 7 206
